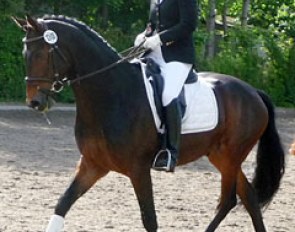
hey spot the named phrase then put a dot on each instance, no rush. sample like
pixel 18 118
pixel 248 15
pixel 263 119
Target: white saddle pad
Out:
pixel 201 111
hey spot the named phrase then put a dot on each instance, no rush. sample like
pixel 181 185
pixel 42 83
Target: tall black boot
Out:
pixel 166 160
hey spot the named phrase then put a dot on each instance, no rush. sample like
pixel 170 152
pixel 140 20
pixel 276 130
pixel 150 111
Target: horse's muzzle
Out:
pixel 41 102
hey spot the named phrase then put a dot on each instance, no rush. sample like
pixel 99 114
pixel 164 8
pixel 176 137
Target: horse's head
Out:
pixel 46 64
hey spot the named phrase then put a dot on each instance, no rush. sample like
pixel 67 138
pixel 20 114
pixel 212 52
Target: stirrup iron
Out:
pixel 169 158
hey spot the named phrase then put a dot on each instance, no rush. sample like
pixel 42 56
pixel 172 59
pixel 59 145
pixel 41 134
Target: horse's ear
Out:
pixel 22 23
pixel 33 23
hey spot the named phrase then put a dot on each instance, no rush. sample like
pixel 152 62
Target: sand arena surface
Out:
pixel 37 162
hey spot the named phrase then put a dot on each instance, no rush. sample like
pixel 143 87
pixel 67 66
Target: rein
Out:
pixel 59 83
pixel 135 51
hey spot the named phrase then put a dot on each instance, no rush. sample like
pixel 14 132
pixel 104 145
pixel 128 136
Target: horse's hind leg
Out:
pixel 228 198
pixel 86 176
pixel 250 201
pixel 142 184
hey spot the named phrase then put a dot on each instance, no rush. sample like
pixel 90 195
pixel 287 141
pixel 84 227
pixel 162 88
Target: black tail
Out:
pixel 270 158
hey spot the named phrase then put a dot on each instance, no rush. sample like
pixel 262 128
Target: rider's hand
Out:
pixel 152 42
pixel 140 38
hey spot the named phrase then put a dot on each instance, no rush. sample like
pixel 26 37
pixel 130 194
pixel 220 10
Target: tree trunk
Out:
pixel 245 12
pixel 224 17
pixel 210 46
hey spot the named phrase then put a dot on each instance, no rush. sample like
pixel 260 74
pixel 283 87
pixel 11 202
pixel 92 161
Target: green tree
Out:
pixel 232 49
pixel 11 63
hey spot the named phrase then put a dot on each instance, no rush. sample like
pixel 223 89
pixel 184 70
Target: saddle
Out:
pixel 153 73
pixel 198 100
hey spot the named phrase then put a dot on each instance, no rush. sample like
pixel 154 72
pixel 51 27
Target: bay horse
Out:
pixel 115 131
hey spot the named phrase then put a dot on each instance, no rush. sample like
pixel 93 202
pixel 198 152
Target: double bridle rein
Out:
pixel 58 82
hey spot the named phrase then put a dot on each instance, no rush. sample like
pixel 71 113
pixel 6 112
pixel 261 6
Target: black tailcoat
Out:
pixel 175 21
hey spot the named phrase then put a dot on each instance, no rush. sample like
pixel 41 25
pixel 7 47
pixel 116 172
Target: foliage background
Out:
pixel 262 53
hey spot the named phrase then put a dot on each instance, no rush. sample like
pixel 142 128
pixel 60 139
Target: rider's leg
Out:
pixel 174 74
pixel 167 159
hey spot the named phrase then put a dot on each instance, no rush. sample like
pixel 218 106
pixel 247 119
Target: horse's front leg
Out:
pixel 86 175
pixel 142 184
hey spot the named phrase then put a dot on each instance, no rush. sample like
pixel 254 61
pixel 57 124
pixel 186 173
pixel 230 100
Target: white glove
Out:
pixel 140 38
pixel 152 42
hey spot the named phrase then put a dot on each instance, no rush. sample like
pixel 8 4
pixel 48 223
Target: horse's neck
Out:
pixel 109 96
pixel 89 57
pixel 110 107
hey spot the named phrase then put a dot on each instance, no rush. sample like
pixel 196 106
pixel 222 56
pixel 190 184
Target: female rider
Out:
pixel 169 37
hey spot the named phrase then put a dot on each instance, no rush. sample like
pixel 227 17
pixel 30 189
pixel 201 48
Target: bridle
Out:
pixel 58 81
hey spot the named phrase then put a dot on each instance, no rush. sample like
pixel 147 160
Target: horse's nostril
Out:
pixel 34 104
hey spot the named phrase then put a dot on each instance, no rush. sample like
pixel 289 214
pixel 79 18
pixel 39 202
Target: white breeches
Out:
pixel 174 74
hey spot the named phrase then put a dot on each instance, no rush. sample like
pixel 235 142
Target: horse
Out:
pixel 115 130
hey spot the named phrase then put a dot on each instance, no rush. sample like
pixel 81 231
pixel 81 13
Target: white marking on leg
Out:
pixel 55 224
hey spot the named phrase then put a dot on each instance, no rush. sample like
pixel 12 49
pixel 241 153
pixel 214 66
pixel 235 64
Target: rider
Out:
pixel 169 36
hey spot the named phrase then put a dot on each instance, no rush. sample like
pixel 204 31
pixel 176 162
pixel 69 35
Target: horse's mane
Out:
pixel 92 34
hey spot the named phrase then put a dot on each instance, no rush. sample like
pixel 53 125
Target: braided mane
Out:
pixel 96 37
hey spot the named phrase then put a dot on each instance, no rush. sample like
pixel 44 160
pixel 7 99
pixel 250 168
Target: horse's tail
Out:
pixel 270 158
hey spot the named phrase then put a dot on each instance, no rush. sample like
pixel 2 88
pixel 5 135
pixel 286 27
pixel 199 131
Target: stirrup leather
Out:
pixel 169 158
